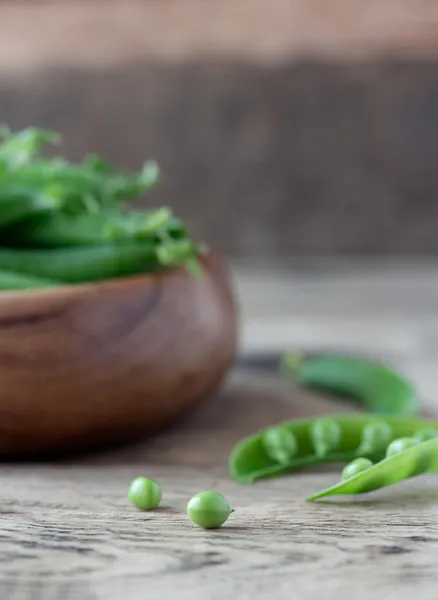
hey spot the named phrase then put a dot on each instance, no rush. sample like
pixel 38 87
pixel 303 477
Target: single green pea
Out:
pixel 144 493
pixel 400 445
pixel 375 437
pixel 422 435
pixel 325 435
pixel 280 444
pixel 356 466
pixel 209 510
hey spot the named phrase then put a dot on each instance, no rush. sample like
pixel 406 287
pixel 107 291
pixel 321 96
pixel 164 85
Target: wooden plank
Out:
pixel 69 530
pixel 99 33
pixel 79 539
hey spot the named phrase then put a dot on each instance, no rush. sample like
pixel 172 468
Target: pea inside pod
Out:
pixel 356 466
pixel 325 435
pixel 400 445
pixel 414 460
pixel 375 437
pixel 280 443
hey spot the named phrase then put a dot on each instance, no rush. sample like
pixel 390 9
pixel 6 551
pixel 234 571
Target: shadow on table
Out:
pixel 206 436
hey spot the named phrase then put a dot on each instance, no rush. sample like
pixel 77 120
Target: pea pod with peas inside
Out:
pixel 410 459
pixel 293 445
pixel 379 388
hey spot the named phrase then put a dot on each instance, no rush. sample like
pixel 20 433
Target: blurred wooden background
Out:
pixel 282 128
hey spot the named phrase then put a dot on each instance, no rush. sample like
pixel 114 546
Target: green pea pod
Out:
pixel 414 460
pixel 256 458
pixel 19 203
pixel 74 265
pixel 78 185
pixel 380 389
pixel 10 280
pixel 59 229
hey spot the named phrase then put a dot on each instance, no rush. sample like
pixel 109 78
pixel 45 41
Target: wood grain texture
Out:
pixel 100 363
pixel 67 530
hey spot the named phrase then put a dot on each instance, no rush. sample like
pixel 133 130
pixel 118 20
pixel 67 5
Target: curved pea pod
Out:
pixel 415 460
pixel 97 263
pixel 81 264
pixel 11 280
pixel 61 229
pixel 377 387
pixel 18 203
pixel 306 442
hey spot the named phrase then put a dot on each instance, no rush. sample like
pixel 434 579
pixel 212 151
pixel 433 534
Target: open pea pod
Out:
pixel 296 444
pixel 415 460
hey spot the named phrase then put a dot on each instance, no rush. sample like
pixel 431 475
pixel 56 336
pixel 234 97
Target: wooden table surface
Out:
pixel 67 531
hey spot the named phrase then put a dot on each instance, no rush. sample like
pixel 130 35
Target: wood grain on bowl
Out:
pixel 97 363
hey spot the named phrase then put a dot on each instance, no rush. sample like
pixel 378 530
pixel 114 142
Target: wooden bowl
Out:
pixel 98 363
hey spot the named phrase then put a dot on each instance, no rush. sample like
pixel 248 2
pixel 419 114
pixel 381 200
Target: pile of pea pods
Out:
pixel 64 223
